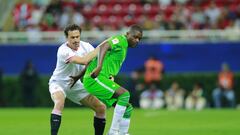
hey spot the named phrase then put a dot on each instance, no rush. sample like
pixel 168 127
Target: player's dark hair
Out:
pixel 72 27
pixel 135 27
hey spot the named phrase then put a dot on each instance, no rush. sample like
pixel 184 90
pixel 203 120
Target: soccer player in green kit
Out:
pixel 100 71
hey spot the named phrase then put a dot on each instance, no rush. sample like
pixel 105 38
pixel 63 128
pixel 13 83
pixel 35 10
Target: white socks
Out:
pixel 57 112
pixel 124 126
pixel 117 118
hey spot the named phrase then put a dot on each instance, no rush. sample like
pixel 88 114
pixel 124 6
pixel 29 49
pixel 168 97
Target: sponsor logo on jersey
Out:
pixel 115 41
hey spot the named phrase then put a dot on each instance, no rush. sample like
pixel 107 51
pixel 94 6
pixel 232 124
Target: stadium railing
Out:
pixel 149 36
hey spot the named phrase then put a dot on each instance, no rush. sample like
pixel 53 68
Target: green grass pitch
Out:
pixel 78 121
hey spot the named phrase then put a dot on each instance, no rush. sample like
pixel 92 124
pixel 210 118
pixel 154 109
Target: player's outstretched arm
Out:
pixel 104 47
pixel 85 59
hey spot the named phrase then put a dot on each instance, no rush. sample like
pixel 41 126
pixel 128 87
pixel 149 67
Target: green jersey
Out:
pixel 113 59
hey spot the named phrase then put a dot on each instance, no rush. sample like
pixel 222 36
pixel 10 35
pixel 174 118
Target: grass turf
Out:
pixel 78 121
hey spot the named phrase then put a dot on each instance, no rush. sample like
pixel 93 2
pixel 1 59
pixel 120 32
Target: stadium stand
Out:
pixel 41 21
pixel 115 14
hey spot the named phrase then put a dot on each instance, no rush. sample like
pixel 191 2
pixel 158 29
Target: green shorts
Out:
pixel 101 87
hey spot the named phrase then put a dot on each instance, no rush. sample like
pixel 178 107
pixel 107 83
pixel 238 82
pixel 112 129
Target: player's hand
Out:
pixel 73 80
pixel 111 78
pixel 95 72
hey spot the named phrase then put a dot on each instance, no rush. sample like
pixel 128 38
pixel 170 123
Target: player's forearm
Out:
pixel 78 60
pixel 91 55
pixel 85 59
pixel 102 52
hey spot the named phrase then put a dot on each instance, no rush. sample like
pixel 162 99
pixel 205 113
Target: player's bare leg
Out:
pixel 58 98
pixel 100 113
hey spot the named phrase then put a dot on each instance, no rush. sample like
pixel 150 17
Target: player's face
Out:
pixel 73 39
pixel 133 38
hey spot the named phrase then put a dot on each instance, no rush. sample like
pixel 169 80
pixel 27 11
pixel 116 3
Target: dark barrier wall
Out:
pixel 177 57
pixel 12 94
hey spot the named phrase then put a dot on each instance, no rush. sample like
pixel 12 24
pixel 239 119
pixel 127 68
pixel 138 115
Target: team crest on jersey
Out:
pixel 115 41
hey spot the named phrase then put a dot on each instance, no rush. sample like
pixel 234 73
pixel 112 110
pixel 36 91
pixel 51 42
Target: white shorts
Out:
pixel 75 94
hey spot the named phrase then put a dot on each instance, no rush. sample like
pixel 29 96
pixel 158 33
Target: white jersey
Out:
pixel 63 69
pixel 60 80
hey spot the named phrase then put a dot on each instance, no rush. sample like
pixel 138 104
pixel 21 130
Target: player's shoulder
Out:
pixel 86 45
pixel 116 39
pixel 63 47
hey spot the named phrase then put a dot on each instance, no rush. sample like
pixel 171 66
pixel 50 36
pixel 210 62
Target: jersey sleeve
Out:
pixel 90 47
pixel 64 54
pixel 114 42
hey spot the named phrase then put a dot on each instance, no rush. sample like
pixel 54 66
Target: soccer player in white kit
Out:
pixel 71 58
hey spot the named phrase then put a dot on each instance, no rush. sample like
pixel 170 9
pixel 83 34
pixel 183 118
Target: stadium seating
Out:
pixel 114 14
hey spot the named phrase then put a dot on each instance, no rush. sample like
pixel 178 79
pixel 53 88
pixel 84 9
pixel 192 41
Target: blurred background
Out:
pixel 189 57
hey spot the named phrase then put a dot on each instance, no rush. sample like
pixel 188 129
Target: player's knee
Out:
pixel 59 100
pixel 128 111
pixel 100 109
pixel 59 103
pixel 123 99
